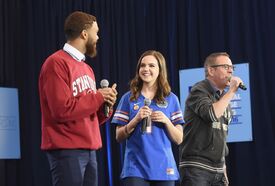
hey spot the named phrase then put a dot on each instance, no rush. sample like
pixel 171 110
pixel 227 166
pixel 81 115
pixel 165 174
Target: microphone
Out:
pixel 104 83
pixel 146 122
pixel 242 86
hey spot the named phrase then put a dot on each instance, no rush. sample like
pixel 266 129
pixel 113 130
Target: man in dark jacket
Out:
pixel 207 115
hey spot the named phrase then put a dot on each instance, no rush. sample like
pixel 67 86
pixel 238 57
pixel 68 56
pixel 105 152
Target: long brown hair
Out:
pixel 163 87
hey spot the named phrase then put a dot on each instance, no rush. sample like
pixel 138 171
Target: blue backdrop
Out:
pixel 185 31
pixel 9 124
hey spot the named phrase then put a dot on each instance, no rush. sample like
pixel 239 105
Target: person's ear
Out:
pixel 84 34
pixel 210 71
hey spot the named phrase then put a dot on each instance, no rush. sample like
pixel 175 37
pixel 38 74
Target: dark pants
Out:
pixel 73 167
pixel 192 176
pixel 135 181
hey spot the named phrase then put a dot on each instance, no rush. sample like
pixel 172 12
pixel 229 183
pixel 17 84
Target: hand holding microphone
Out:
pixel 109 95
pixel 236 82
pixel 146 121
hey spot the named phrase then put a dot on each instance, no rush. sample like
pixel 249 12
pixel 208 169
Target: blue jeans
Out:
pixel 192 176
pixel 135 181
pixel 73 167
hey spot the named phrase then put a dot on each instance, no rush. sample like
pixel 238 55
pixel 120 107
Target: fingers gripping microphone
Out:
pixel 104 83
pixel 241 85
pixel 146 122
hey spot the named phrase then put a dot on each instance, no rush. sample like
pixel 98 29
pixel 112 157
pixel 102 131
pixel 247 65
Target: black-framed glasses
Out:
pixel 225 66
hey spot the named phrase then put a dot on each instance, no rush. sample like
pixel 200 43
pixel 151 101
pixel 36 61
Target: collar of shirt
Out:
pixel 76 54
pixel 216 90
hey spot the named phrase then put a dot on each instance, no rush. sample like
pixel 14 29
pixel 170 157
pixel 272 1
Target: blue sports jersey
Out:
pixel 149 156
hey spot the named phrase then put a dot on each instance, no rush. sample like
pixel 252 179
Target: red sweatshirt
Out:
pixel 71 107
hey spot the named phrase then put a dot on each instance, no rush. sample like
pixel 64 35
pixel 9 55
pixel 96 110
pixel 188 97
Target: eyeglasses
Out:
pixel 225 66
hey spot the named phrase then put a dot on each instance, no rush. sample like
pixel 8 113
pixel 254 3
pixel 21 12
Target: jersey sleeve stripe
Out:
pixel 179 115
pixel 123 116
pixel 120 119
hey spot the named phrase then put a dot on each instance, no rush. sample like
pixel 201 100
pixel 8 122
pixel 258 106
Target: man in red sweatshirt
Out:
pixel 72 108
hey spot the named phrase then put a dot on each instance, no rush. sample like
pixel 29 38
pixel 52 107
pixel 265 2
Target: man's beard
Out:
pixel 91 48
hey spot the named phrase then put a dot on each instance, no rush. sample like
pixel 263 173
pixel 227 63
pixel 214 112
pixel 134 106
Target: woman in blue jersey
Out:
pixel 149 159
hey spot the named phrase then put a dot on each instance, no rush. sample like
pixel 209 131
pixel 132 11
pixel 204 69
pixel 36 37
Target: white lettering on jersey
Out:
pixel 78 84
pixel 74 89
pixel 83 83
pixel 86 82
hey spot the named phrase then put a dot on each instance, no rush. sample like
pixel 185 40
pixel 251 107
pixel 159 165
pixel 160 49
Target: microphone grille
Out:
pixel 104 83
pixel 147 101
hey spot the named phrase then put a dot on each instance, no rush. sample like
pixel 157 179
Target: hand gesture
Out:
pixel 158 116
pixel 109 94
pixel 143 112
pixel 234 83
